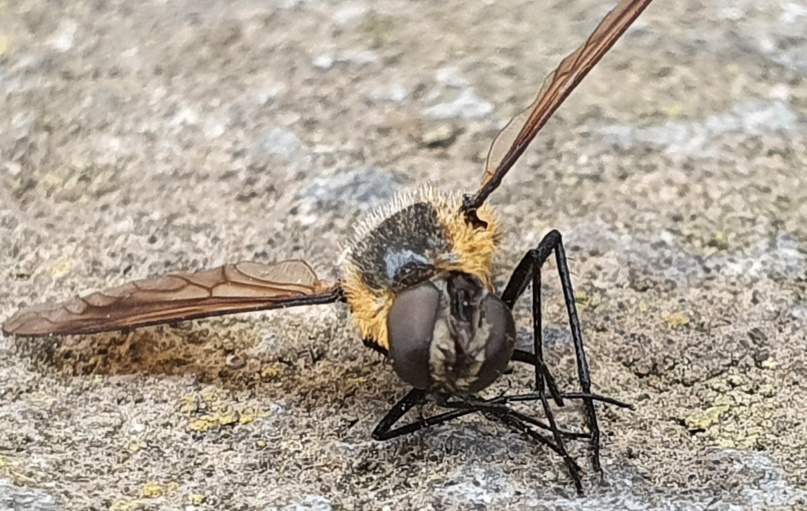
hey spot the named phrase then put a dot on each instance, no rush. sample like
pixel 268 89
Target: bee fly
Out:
pixel 417 279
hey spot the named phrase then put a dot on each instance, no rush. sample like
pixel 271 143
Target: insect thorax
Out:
pixel 404 249
pixel 410 240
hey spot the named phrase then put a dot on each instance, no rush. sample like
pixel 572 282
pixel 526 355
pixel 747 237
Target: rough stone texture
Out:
pixel 142 137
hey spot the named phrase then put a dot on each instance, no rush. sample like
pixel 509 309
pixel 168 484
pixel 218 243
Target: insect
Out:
pixel 417 278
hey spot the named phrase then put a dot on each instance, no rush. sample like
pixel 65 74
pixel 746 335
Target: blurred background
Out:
pixel 141 138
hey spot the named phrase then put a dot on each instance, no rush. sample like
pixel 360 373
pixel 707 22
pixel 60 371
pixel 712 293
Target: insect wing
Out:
pixel 511 142
pixel 229 289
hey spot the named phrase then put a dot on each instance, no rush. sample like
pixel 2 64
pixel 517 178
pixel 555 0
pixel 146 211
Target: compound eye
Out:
pixel 410 325
pixel 497 321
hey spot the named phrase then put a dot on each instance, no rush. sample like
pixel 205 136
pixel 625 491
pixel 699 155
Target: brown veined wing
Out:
pixel 511 142
pixel 242 287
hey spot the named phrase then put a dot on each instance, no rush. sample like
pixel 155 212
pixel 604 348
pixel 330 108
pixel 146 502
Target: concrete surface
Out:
pixel 142 137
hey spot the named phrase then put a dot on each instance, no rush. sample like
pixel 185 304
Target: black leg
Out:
pixel 521 277
pixel 384 431
pixel 496 406
pixel 413 398
pixel 516 420
pixel 515 423
pixel 567 395
pixel 529 358
pixel 371 343
pixel 528 271
pixel 583 372
pixel 574 435
pixel 460 408
pixel 570 464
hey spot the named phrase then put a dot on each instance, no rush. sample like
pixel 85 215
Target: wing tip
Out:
pixel 18 327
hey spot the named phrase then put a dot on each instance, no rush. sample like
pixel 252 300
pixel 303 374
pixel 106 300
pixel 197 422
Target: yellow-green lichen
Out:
pixel 5 46
pixel 675 319
pixel 212 409
pixel 704 419
pixel 151 490
pixel 59 268
pixel 740 416
pixel 196 499
pixel 126 504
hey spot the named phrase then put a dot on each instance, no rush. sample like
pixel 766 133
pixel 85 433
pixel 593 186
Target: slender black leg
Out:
pixel 371 343
pixel 541 371
pixel 583 373
pixel 570 464
pixel 495 406
pixel 524 274
pixel 566 395
pixel 534 422
pixel 490 407
pixel 517 420
pixel 529 358
pixel 384 431
pixel 514 422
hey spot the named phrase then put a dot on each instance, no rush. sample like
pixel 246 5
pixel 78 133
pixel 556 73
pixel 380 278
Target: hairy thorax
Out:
pixel 412 239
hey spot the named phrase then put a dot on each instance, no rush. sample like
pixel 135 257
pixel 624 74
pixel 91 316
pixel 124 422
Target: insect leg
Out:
pixel 529 269
pixel 371 343
pixel 507 417
pixel 573 468
pixel 531 359
pixel 566 395
pixel 523 275
pixel 497 406
pixel 384 431
pixel 501 413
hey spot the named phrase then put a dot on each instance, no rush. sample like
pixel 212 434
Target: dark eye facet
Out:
pixel 497 322
pixel 410 325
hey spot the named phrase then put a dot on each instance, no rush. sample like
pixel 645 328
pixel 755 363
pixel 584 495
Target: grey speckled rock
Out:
pixel 138 138
pixel 14 497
